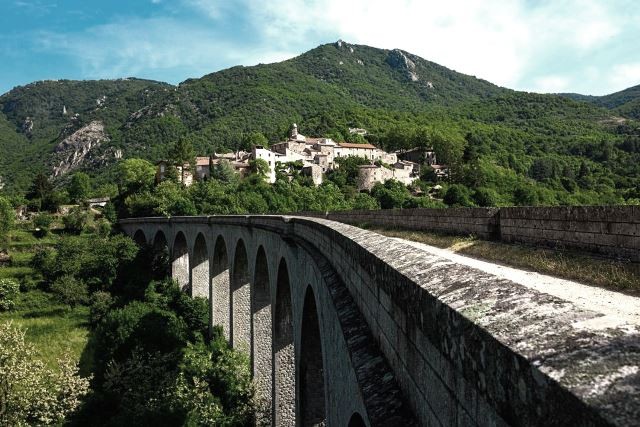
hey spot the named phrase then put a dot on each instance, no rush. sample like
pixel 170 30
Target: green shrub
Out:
pixel 9 290
pixel 103 228
pixel 76 220
pixel 458 195
pixel 31 393
pixel 101 303
pixel 42 223
pixel 485 197
pixel 7 219
pixel 70 290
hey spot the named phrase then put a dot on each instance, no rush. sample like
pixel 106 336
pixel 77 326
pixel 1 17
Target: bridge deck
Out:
pixel 617 308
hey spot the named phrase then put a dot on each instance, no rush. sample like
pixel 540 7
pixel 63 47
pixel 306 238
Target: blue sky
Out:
pixel 585 46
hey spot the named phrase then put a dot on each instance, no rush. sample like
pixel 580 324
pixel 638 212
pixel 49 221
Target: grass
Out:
pixel 590 270
pixel 53 328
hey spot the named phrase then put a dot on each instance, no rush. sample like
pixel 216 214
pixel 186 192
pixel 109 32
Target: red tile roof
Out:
pixel 352 145
pixel 202 161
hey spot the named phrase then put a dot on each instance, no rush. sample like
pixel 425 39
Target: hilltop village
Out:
pixel 314 157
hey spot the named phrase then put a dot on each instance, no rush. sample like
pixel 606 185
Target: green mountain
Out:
pixel 626 102
pixel 502 136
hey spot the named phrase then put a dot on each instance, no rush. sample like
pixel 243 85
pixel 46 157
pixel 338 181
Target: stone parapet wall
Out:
pixel 606 230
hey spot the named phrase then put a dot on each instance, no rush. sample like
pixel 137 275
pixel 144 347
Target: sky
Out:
pixel 583 46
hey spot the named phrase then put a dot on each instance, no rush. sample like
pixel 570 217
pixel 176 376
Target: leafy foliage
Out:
pixel 568 151
pixel 9 290
pixel 31 393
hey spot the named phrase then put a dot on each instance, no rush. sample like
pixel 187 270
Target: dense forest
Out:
pixel 505 147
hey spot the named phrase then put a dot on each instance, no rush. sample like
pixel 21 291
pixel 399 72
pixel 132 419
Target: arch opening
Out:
pixel 140 238
pixel 284 379
pixel 219 293
pixel 356 421
pixel 160 260
pixel 240 300
pixel 180 262
pixel 261 363
pixel 200 269
pixel 312 398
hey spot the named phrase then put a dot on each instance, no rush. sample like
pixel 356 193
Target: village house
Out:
pixel 402 171
pixel 318 156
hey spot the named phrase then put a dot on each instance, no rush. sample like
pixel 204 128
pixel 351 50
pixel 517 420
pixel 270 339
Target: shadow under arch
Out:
pixel 160 262
pixel 219 293
pixel 180 261
pixel 261 363
pixel 312 398
pixel 356 421
pixel 140 238
pixel 240 300
pixel 284 378
pixel 200 268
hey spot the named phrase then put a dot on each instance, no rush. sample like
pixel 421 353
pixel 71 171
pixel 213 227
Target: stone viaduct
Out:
pixel 345 327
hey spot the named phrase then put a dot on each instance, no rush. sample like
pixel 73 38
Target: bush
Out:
pixel 458 195
pixel 7 218
pixel 101 303
pixel 76 220
pixel 103 228
pixel 525 196
pixel 70 291
pixel 9 290
pixel 30 393
pixel 485 197
pixel 42 223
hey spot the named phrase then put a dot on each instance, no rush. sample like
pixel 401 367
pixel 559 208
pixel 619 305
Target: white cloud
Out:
pixel 552 84
pixel 623 76
pixel 498 40
pixel 514 43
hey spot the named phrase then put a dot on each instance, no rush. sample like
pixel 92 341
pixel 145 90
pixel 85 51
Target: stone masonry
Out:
pixel 395 336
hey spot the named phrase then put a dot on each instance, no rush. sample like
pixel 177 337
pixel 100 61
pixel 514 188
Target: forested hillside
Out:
pixel 565 151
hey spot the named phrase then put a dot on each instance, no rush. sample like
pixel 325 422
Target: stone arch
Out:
pixel 180 261
pixel 356 421
pixel 200 268
pixel 311 380
pixel 261 362
pixel 284 379
pixel 160 263
pixel 140 238
pixel 240 300
pixel 219 294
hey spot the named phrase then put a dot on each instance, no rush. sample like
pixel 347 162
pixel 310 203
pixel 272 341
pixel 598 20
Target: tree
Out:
pixel 70 290
pixel 79 187
pixel 43 194
pixel 391 194
pixel 182 154
pixel 458 195
pixel 449 148
pixel 135 175
pixel 525 195
pixel 259 167
pixel 7 218
pixel 255 139
pixel 224 172
pixel 76 220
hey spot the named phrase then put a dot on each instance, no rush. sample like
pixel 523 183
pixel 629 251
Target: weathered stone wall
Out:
pixel 405 334
pixel 606 230
pixel 481 222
